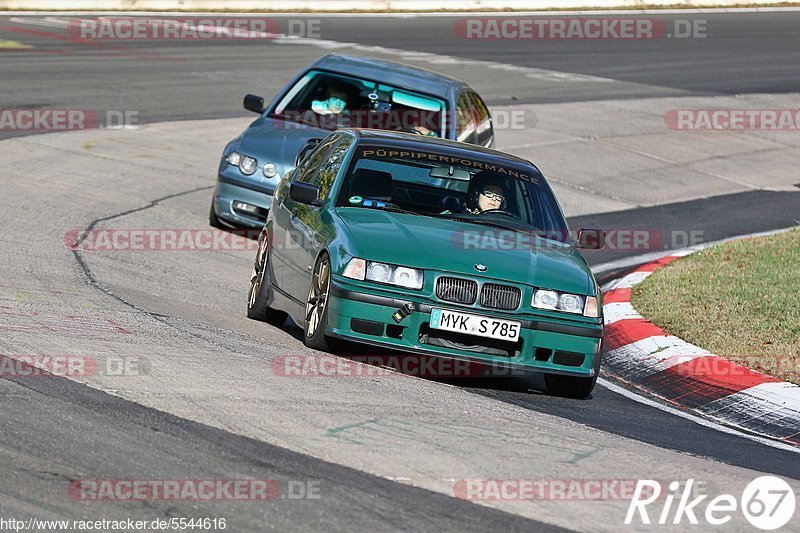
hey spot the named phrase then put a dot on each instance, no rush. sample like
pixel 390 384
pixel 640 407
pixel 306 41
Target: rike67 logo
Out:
pixel 767 503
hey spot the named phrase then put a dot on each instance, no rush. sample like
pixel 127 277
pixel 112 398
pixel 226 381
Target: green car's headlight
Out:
pixel 246 164
pixel 408 277
pixel 566 302
pixel 571 303
pixel 591 309
pixel 401 276
pixel 379 272
pixel 545 299
pixel 355 269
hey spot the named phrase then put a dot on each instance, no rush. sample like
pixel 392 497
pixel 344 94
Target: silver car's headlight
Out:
pixel 270 170
pixel 234 158
pixel 246 164
pixel 564 301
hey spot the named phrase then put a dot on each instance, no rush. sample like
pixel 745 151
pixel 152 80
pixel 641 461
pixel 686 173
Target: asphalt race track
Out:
pixel 384 451
pixel 741 54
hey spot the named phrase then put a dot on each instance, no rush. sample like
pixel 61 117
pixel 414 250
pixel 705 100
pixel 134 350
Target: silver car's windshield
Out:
pixel 333 101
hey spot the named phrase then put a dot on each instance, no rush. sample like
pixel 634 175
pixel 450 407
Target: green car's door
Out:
pixel 308 233
pixel 283 210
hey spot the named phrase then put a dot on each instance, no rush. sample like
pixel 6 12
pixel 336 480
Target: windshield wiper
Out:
pixel 471 219
pixel 299 119
pixel 385 207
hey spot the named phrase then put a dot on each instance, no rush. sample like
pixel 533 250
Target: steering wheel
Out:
pixel 499 212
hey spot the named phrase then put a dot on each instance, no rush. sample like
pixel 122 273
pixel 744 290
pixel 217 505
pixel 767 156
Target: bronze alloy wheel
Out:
pixel 258 296
pixel 318 297
pixel 257 276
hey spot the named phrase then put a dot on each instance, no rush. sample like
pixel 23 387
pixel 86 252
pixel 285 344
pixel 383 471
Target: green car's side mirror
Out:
pixel 591 239
pixel 305 193
pixel 307 147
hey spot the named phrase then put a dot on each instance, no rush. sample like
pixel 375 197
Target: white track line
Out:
pixel 407 55
pixel 633 261
pixel 410 14
pixel 599 269
pixel 646 258
pixel 696 419
pixel 39 22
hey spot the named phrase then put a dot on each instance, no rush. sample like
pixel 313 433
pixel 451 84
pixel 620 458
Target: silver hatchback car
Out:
pixel 337 91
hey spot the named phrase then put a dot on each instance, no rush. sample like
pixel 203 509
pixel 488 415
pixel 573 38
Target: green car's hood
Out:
pixel 439 244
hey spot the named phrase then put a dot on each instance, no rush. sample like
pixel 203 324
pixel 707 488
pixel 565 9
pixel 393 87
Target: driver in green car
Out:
pixel 486 192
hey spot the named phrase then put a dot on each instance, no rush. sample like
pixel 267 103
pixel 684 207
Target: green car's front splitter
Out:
pixel 556 347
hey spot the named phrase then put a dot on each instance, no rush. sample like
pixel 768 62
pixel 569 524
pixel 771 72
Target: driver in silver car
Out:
pixel 335 102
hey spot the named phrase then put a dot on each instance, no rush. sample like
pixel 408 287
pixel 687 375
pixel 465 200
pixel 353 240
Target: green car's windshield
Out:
pixel 331 101
pixel 470 188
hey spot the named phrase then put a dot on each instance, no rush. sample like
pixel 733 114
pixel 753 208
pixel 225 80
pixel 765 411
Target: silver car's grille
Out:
pixel 500 296
pixel 462 291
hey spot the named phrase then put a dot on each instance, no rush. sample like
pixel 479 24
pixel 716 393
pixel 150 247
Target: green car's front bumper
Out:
pixel 550 345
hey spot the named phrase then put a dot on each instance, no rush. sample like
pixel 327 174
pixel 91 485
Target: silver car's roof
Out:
pixel 390 73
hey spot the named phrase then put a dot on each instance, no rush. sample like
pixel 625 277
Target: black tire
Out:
pixel 260 287
pixel 316 320
pixel 213 219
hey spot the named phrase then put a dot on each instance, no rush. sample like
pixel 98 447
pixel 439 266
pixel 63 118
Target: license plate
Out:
pixel 482 326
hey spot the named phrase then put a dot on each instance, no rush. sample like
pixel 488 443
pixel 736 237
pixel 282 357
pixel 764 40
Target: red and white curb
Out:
pixel 650 359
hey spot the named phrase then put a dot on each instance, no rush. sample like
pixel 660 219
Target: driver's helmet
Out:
pixel 481 180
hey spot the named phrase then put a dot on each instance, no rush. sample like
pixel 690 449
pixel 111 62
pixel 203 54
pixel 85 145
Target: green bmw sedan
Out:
pixel 435 247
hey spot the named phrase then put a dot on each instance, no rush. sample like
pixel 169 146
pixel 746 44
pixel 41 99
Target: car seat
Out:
pixel 373 184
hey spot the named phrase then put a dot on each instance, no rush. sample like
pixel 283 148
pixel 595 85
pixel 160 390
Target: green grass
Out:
pixel 740 300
